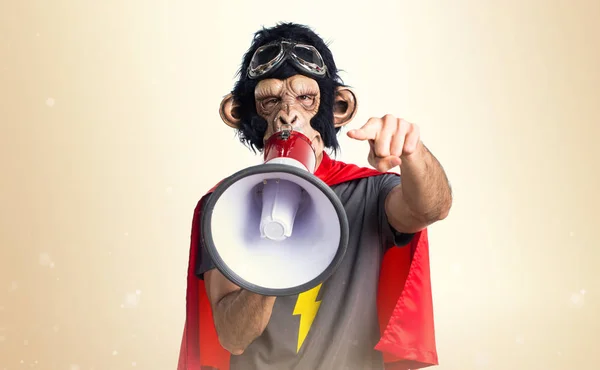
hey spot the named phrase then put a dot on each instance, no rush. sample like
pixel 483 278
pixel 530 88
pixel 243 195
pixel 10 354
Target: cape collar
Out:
pixel 334 172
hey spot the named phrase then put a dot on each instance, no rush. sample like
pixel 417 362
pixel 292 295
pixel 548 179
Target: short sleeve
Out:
pixel 391 237
pixel 203 261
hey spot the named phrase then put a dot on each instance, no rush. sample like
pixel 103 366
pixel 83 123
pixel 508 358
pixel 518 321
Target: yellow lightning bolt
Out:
pixel 307 307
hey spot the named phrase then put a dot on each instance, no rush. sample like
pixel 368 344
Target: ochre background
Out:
pixel 110 134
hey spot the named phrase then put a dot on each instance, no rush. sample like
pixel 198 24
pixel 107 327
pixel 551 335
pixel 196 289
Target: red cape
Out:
pixel 404 298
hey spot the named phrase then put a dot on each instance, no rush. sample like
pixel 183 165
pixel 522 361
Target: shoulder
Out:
pixel 337 172
pixel 374 181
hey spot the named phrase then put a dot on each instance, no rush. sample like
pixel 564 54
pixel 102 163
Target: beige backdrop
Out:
pixel 110 134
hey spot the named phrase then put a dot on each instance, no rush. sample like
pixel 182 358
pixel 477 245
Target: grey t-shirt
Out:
pixel 345 329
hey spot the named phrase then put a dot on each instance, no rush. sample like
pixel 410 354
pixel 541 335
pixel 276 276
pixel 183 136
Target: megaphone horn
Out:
pixel 276 229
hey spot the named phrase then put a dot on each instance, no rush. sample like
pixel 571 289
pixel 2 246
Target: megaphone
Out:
pixel 275 228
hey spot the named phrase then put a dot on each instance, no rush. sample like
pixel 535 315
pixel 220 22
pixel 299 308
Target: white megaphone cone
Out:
pixel 275 228
pixel 281 198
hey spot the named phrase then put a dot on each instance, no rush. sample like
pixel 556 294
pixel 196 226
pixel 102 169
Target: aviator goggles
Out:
pixel 269 57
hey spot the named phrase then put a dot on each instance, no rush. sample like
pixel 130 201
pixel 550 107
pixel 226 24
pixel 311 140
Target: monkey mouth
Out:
pixel 277 126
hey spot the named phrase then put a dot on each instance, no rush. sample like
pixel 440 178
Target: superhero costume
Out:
pixel 404 302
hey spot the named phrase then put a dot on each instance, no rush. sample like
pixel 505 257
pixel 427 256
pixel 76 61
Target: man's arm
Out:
pixel 239 315
pixel 423 197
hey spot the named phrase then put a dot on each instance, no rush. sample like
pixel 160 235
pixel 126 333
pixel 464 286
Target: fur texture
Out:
pixel 252 126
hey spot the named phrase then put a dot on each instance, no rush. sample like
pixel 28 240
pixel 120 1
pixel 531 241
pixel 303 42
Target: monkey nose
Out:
pixel 285 119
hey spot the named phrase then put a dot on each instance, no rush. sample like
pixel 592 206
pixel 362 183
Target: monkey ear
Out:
pixel 344 107
pixel 229 111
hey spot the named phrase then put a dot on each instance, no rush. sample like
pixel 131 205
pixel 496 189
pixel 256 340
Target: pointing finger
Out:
pixel 367 132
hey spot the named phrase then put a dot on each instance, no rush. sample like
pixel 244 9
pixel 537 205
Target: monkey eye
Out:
pixel 270 102
pixel 306 99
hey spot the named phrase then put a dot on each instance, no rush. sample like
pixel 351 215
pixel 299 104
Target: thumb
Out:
pixel 387 163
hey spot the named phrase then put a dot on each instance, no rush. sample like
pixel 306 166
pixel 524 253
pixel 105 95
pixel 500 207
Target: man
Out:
pixel 350 321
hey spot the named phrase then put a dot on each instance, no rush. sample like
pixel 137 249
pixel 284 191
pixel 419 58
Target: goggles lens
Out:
pixel 309 55
pixel 265 55
pixel 270 56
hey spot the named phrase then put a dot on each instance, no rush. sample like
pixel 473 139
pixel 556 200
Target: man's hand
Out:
pixel 425 196
pixel 391 139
